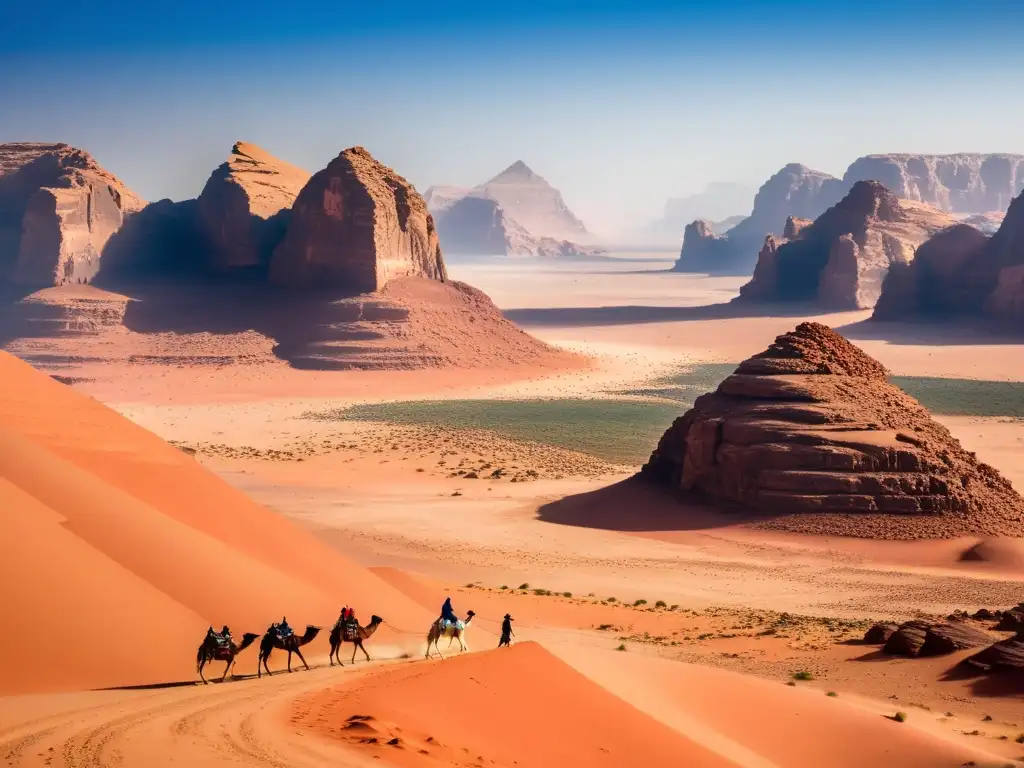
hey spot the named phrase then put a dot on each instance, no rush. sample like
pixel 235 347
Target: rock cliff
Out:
pixel 964 183
pixel 962 272
pixel 841 259
pixel 810 434
pixel 58 208
pixel 354 226
pixel 795 190
pixel 243 207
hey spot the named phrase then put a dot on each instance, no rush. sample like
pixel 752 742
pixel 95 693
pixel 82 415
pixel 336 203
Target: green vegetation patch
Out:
pixel 619 431
pixel 965 397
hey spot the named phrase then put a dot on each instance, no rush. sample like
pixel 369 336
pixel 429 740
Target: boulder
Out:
pixel 934 638
pixel 963 183
pixel 1003 656
pixel 812 425
pixel 879 634
pixel 58 209
pixel 354 226
pixel 841 260
pixel 1012 620
pixel 242 207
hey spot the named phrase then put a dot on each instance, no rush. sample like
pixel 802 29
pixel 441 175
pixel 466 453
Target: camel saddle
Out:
pixel 350 631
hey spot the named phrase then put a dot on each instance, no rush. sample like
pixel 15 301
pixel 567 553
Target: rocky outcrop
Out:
pixel 964 183
pixel 354 226
pixel 517 213
pixel 962 273
pixel 1004 656
pixel 879 634
pixel 934 638
pixel 795 190
pixel 841 260
pixel 58 208
pixel 243 207
pixel 528 199
pixel 810 434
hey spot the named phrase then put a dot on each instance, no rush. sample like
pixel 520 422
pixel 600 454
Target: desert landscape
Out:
pixel 318 466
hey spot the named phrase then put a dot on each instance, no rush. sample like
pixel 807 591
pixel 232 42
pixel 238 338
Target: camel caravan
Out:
pixel 221 646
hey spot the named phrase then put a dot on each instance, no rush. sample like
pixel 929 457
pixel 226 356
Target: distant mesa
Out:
pixel 810 436
pixel 58 209
pixel 795 190
pixel 244 206
pixel 354 226
pixel 840 260
pixel 517 213
pixel 962 273
pixel 970 186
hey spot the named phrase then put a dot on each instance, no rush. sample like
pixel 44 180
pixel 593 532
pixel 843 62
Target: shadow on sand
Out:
pixel 636 506
pixel 554 317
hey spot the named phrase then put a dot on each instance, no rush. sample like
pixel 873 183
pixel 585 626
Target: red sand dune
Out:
pixel 518 706
pixel 149 548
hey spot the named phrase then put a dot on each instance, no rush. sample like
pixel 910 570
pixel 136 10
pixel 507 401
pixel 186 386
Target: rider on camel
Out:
pixel 448 613
pixel 225 633
pixel 283 630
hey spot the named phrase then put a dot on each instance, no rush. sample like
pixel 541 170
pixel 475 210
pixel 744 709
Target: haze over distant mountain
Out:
pixel 515 213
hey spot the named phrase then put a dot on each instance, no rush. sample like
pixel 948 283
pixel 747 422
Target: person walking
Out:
pixel 506 631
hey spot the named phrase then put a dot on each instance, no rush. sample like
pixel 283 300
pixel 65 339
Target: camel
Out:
pixel 211 651
pixel 451 632
pixel 291 644
pixel 362 633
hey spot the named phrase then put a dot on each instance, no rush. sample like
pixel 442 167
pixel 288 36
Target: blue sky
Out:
pixel 620 105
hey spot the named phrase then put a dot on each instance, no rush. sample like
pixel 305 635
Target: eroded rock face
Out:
pixel 58 209
pixel 934 638
pixel 242 207
pixel 794 191
pixel 354 226
pixel 962 272
pixel 964 183
pixel 529 200
pixel 811 425
pixel 840 261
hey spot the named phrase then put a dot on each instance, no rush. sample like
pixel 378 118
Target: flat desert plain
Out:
pixel 647 631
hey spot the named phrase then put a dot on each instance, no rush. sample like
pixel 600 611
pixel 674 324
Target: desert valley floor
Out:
pixel 632 614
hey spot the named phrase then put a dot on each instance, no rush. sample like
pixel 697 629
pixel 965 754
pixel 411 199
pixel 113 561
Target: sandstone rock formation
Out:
pixel 477 225
pixel 517 213
pixel 795 190
pixel 841 260
pixel 934 638
pixel 1004 656
pixel 961 272
pixel 810 435
pixel 241 206
pixel 354 226
pixel 58 208
pixel 964 183
pixel 879 634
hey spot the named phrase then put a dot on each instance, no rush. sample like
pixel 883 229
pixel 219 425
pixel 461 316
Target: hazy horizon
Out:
pixel 618 106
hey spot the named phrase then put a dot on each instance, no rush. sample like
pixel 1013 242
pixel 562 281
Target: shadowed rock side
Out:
pixel 841 260
pixel 533 203
pixel 478 226
pixel 962 273
pixel 58 209
pixel 810 433
pixel 795 190
pixel 243 207
pixel 964 183
pixel 356 225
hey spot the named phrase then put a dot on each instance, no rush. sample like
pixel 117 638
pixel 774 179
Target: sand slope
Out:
pixel 149 543
pixel 518 706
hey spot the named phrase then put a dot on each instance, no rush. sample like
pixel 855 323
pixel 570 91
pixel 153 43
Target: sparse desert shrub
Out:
pixel 832 694
pixel 524 586
pixel 673 607
pixel 604 627
pixel 622 647
pixel 541 592
pixel 611 600
pixel 638 603
pixel 503 587
pixel 803 675
pixel 1020 739
pixel 567 594
pixel 661 604
pixel 791 683
pixel 900 717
